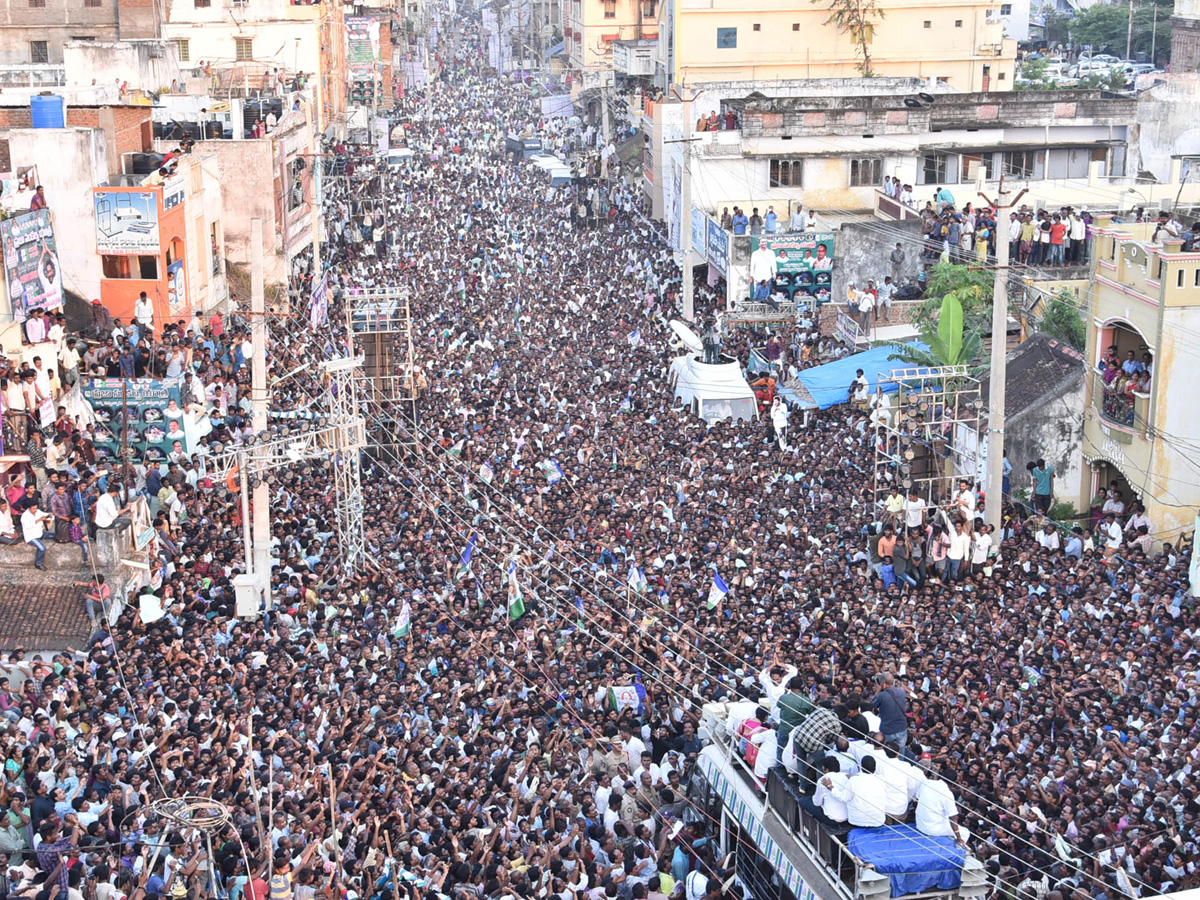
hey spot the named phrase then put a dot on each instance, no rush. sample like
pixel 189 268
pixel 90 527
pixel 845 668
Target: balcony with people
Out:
pixel 1123 378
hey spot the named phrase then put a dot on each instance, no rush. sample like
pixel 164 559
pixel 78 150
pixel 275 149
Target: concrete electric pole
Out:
pixel 685 94
pixel 999 366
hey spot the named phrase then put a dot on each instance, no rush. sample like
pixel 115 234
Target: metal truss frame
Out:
pixel 929 435
pixel 380 323
pixel 334 440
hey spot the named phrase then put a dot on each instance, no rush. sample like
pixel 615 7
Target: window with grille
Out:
pixel 610 9
pixel 37 4
pixel 183 45
pixel 39 52
pixel 201 4
pixel 92 3
pixel 787 173
pixel 866 172
pixel 934 168
pixel 243 49
pixel 726 38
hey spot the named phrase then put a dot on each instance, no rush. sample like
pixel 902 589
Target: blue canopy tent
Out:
pixel 830 384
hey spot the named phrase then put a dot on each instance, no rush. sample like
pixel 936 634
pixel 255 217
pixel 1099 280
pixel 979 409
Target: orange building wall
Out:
pixel 120 294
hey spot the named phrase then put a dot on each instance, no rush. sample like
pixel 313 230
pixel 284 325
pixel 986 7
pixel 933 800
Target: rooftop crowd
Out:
pixel 1055 692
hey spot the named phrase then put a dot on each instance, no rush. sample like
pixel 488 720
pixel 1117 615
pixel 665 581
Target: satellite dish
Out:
pixel 687 337
pixel 926 98
pixel 912 102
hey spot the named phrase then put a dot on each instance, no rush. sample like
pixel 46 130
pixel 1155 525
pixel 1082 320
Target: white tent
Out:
pixel 713 392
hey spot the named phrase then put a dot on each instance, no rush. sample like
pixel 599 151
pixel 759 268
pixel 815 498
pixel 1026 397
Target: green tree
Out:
pixel 1033 76
pixel 972 286
pixel 858 19
pixel 949 344
pixel 1106 28
pixel 1060 319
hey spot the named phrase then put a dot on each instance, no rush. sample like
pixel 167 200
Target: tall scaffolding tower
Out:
pixel 926 432
pixel 380 324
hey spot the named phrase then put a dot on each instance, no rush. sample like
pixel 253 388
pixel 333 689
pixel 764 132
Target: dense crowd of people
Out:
pixel 442 722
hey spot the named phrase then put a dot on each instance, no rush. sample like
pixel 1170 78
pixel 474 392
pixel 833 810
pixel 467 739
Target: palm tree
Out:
pixel 856 18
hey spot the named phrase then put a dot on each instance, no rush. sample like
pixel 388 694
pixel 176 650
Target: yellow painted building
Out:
pixel 590 27
pixel 953 41
pixel 1144 299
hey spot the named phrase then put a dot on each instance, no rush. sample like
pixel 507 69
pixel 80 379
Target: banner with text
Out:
pixel 126 222
pixel 717 246
pixel 152 429
pixel 804 263
pixel 31 263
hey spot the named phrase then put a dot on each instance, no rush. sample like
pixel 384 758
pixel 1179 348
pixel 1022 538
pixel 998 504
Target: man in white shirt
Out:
pixel 981 545
pixel 823 805
pixel 865 796
pixel 937 813
pixel 964 500
pixel 774 680
pixel 1048 538
pixel 108 513
pixel 1110 533
pixel 633 745
pixel 33 525
pixel 959 552
pixel 8 531
pixel 914 510
pixel 143 312
pixel 68 363
pixel 897 784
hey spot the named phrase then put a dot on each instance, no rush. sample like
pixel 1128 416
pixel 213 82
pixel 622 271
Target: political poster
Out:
pixel 717 249
pixel 804 263
pixel 126 222
pixel 362 46
pixel 318 304
pixel 31 263
pixel 699 232
pixel 177 296
pixel 152 429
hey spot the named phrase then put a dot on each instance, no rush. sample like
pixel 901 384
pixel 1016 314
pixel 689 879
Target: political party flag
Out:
pixel 553 471
pixel 457 449
pixel 636 580
pixel 516 602
pixel 404 623
pixel 486 473
pixel 635 338
pixel 718 592
pixel 464 561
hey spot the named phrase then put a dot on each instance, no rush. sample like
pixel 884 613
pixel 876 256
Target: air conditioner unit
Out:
pixel 1135 253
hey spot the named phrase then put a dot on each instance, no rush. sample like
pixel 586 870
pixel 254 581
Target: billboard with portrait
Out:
pixel 126 222
pixel 804 263
pixel 31 263
pixel 153 429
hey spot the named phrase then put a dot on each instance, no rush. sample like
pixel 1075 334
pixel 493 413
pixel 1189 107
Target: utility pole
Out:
pixel 1153 37
pixel 999 367
pixel 1129 33
pixel 258 410
pixel 604 105
pixel 685 94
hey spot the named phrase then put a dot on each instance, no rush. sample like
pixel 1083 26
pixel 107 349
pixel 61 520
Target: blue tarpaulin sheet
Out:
pixel 914 862
pixel 830 384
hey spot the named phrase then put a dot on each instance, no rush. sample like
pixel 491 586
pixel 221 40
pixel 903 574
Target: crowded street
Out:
pixel 553 528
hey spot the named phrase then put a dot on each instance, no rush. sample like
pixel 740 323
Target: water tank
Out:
pixel 46 111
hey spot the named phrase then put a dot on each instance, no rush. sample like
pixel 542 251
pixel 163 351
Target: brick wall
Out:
pixel 129 133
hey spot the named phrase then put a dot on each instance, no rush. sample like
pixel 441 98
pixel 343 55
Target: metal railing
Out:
pixel 820 846
pixel 1115 407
